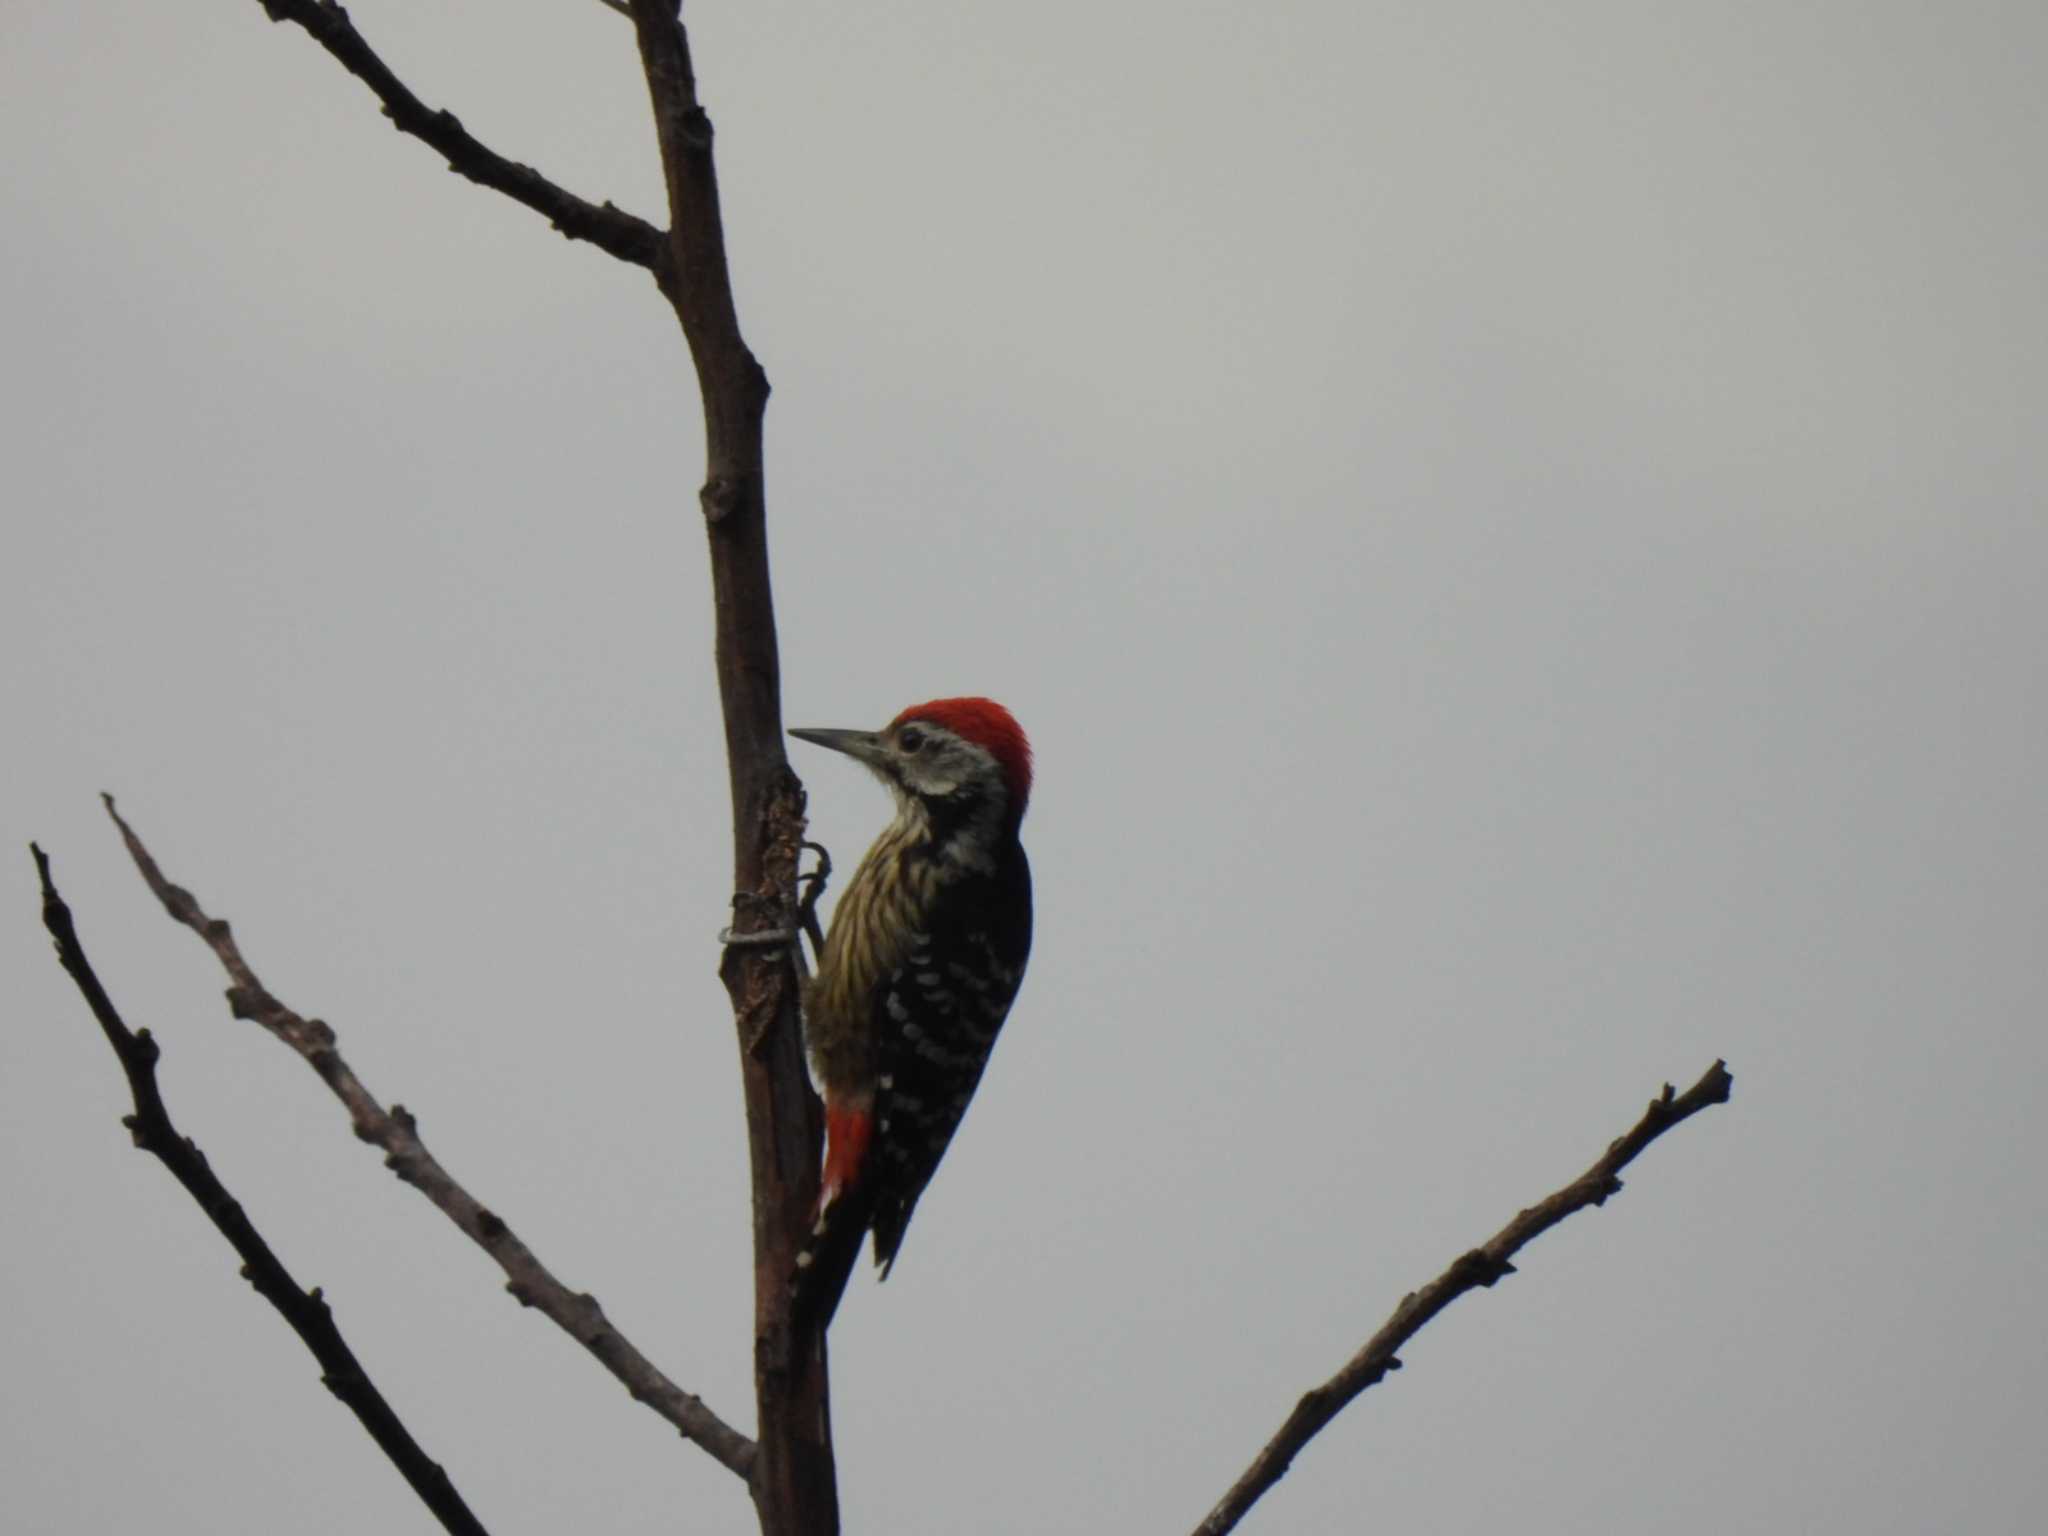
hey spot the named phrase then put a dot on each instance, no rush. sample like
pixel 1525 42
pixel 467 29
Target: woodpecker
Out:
pixel 924 954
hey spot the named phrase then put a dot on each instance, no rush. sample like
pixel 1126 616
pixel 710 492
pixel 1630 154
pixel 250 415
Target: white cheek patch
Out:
pixel 948 768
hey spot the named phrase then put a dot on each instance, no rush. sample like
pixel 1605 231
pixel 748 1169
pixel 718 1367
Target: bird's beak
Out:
pixel 866 746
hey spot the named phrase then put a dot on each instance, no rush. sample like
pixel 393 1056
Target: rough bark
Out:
pixel 794 1483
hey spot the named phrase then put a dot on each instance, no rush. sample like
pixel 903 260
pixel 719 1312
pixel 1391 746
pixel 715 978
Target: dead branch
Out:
pixel 1482 1266
pixel 610 229
pixel 305 1310
pixel 397 1134
pixel 795 1490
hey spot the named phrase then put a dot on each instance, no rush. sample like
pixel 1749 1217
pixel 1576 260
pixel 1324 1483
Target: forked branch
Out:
pixel 795 1489
pixel 610 229
pixel 305 1310
pixel 792 1476
pixel 397 1134
pixel 1482 1266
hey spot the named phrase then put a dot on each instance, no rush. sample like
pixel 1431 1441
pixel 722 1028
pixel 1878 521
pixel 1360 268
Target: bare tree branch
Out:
pixel 306 1311
pixel 396 1132
pixel 1481 1267
pixel 609 228
pixel 795 1491
pixel 792 1477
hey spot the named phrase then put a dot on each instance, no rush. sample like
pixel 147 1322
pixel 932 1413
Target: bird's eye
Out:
pixel 910 739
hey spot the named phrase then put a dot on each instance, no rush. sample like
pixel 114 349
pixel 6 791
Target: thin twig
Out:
pixel 1480 1267
pixel 610 229
pixel 396 1132
pixel 305 1310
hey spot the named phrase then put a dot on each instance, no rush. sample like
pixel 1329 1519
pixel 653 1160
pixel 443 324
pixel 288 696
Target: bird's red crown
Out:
pixel 987 724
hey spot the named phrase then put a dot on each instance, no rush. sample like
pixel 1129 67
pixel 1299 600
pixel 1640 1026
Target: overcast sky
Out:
pixel 1517 530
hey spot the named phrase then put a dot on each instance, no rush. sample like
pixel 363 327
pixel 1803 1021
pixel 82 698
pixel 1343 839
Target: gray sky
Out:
pixel 1518 534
